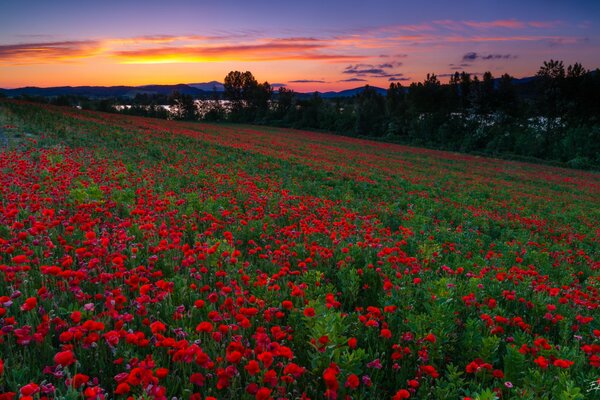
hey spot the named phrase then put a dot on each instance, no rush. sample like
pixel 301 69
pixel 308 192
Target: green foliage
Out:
pixel 515 366
pixel 86 194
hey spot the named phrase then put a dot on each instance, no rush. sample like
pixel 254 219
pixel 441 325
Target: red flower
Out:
pixel 122 388
pixel 157 327
pixel 29 304
pixel 401 394
pixel 252 367
pixel 64 358
pixel 161 373
pixel 430 338
pixel 309 312
pixel 79 380
pixel 352 343
pixel 562 363
pixel 234 357
pixel 542 362
pixel 30 389
pixel 263 393
pixel 204 327
pixel 197 379
pixel 330 377
pixel 430 370
pixel 93 393
pixel 386 333
pixel 266 358
pixel 352 382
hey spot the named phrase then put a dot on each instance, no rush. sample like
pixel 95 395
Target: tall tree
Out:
pixel 507 100
pixel 370 113
pixel 247 96
pixel 285 102
pixel 238 87
pixel 183 106
pixel 550 78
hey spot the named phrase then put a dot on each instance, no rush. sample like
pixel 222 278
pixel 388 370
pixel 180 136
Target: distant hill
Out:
pixel 208 86
pixel 103 91
pixel 194 89
pixel 352 92
pixel 201 89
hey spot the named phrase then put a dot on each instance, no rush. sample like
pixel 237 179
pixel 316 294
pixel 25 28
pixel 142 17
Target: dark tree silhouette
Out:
pixel 248 97
pixel 182 106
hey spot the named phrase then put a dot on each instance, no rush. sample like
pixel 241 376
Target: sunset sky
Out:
pixel 307 45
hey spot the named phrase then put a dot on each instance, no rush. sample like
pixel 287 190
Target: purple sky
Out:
pixel 308 45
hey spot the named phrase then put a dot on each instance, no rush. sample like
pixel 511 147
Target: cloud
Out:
pixel 383 70
pixel 544 24
pixel 298 39
pixel 157 49
pixel 561 41
pixel 363 71
pixel 269 51
pixel 277 85
pixel 390 65
pixel 353 80
pixel 44 52
pixel 307 81
pixel 398 79
pixel 501 23
pixel 449 75
pixel 397 75
pixel 459 67
pixel 473 56
pixel 509 24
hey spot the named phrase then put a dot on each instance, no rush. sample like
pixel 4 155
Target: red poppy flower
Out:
pixel 401 394
pixel 64 358
pixel 352 381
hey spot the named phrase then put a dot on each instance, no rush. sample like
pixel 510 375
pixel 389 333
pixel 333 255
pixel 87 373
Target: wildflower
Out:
pixel 562 363
pixel 542 362
pixel 401 394
pixel 252 367
pixel 352 381
pixel 352 343
pixel 64 358
pixel 375 364
pixel 122 388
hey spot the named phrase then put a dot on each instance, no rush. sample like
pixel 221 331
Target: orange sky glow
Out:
pixel 335 58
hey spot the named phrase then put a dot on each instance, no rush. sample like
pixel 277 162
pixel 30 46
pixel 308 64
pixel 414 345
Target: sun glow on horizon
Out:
pixel 326 55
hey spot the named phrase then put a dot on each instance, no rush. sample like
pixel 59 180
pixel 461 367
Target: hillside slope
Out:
pixel 157 258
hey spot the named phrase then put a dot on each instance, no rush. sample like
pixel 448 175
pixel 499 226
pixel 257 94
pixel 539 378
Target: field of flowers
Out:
pixel 153 259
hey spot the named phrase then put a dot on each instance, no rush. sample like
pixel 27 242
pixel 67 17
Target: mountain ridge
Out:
pixel 199 89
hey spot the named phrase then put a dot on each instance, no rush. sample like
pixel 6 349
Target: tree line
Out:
pixel 554 116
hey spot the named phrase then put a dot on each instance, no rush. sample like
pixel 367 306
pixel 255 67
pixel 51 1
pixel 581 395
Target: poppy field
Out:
pixel 152 259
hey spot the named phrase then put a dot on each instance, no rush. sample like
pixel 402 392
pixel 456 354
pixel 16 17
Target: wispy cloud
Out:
pixel 307 81
pixel 473 56
pixel 156 49
pixel 384 70
pixel 363 71
pixel 353 80
pixel 269 51
pixel 25 53
pixel 561 41
pixel 501 23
